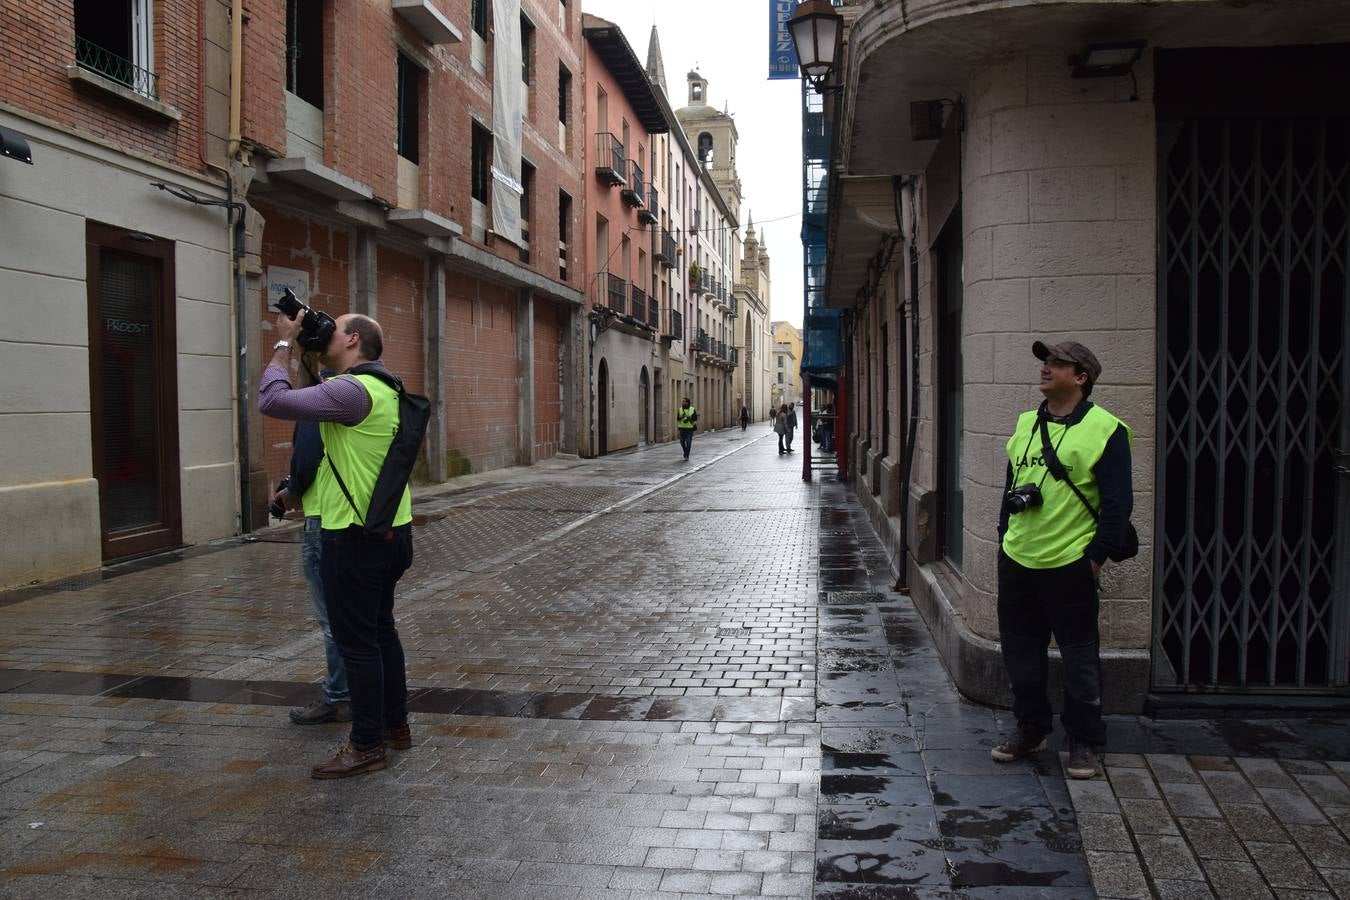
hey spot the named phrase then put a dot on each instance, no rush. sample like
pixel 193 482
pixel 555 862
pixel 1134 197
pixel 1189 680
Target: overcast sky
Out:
pixel 728 42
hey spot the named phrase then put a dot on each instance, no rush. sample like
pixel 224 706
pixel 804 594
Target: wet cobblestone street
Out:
pixel 631 677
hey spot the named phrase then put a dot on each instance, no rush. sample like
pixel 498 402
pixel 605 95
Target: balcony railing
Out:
pixel 707 281
pixel 633 193
pixel 639 303
pixel 653 311
pixel 665 250
pixel 616 296
pixel 651 212
pixel 91 56
pixel 672 325
pixel 610 163
pixel 735 356
pixel 702 343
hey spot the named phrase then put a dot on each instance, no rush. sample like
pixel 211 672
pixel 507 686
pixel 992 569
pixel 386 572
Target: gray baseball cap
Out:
pixel 1071 352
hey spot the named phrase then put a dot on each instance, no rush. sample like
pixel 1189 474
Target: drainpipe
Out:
pixel 907 465
pixel 241 359
pixel 236 75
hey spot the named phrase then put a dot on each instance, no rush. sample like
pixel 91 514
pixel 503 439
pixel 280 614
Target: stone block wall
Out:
pixel 1058 222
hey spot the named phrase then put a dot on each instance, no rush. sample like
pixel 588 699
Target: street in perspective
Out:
pixel 635 450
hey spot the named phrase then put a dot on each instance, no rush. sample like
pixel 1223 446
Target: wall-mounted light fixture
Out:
pixel 13 146
pixel 1107 60
pixel 818 34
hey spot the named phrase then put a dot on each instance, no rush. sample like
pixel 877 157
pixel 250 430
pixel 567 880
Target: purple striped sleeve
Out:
pixel 341 400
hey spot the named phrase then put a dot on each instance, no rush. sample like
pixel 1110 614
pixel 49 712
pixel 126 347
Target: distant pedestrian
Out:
pixel 780 425
pixel 334 703
pixel 745 417
pixel 791 424
pixel 685 420
pixel 1066 510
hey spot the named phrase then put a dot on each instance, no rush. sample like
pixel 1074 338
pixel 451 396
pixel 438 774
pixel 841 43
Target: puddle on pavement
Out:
pixel 988 874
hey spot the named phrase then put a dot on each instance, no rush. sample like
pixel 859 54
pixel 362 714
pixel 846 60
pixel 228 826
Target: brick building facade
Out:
pixel 367 147
pixel 117 425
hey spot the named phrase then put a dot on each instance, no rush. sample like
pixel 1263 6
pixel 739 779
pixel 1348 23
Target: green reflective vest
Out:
pixel 1058 531
pixel 684 418
pixel 358 452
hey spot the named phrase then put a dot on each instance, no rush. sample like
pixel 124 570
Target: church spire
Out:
pixel 656 67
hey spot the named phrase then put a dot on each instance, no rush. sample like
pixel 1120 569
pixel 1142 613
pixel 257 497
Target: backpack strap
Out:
pixel 1057 470
pixel 346 493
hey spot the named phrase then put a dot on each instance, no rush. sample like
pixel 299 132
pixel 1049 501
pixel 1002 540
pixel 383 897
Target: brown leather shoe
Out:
pixel 398 737
pixel 349 761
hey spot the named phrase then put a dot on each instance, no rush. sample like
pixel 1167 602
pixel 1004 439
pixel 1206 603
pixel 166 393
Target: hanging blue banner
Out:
pixel 782 54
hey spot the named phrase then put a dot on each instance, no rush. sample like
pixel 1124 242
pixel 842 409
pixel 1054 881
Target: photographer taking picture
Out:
pixel 359 419
pixel 1066 510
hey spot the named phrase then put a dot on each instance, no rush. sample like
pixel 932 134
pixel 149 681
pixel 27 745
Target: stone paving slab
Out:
pixel 1201 826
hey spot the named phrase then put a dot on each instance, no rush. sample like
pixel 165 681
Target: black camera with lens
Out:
pixel 276 508
pixel 316 328
pixel 1022 498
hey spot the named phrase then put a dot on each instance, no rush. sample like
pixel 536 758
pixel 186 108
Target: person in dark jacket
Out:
pixel 1066 507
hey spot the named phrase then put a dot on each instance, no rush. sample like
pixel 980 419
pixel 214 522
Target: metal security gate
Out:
pixel 1252 573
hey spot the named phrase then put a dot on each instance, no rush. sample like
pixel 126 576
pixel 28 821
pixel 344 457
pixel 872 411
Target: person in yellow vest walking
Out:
pixel 1066 508
pixel 358 415
pixel 686 417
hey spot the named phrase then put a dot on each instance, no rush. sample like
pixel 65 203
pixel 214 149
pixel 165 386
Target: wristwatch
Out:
pixel 279 344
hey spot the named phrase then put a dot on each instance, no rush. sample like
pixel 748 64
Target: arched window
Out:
pixel 705 148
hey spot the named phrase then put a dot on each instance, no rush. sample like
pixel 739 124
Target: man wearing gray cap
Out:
pixel 1066 509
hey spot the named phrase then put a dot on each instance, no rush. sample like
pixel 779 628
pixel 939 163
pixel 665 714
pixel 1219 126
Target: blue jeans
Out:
pixel 335 688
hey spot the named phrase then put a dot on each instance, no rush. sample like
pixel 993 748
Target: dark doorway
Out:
pixel 644 407
pixel 951 387
pixel 133 390
pixel 1252 566
pixel 602 409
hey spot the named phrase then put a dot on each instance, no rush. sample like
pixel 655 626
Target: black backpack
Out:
pixel 414 412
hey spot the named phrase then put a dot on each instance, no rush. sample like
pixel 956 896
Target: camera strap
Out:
pixel 1056 468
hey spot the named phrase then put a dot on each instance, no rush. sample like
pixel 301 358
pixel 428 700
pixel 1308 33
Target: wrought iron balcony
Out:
pixel 702 343
pixel 611 166
pixel 653 311
pixel 707 282
pixel 735 356
pixel 96 59
pixel 665 249
pixel 639 304
pixel 633 193
pixel 672 325
pixel 616 296
pixel 651 212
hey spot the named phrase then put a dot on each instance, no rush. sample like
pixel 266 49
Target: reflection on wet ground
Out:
pixel 910 803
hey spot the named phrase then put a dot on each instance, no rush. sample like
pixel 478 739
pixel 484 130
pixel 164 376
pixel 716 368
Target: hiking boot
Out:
pixel 398 737
pixel 1024 742
pixel 320 711
pixel 1083 761
pixel 349 761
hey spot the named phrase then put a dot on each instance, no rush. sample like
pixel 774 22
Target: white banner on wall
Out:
pixel 508 106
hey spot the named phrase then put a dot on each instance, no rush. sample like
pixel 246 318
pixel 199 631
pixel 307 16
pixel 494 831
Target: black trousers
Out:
pixel 686 440
pixel 1033 605
pixel 359 576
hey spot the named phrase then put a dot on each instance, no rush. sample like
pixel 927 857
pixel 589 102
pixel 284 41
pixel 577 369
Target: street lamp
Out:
pixel 818 34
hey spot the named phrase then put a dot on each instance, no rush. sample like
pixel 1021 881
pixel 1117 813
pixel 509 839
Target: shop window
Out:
pixel 115 39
